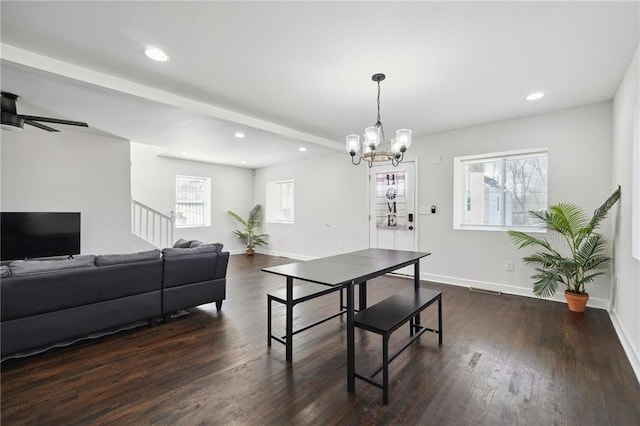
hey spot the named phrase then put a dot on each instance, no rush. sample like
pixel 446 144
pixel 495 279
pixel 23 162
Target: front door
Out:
pixel 392 201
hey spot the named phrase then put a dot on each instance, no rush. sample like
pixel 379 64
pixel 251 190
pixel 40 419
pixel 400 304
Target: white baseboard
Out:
pixel 594 302
pixel 237 251
pixel 274 253
pixel 285 254
pixel 632 352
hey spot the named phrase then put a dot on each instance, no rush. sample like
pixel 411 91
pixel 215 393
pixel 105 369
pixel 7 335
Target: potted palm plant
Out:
pixel 248 235
pixel 579 262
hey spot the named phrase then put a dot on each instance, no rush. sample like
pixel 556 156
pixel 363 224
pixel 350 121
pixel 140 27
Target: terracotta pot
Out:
pixel 576 302
pixel 250 252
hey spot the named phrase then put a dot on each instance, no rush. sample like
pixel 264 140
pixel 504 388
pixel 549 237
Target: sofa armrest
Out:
pixel 222 262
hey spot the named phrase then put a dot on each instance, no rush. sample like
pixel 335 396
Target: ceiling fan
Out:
pixel 11 120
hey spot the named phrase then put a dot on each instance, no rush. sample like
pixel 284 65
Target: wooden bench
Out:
pixel 390 314
pixel 301 293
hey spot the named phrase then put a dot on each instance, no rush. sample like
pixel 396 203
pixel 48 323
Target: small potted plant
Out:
pixel 248 235
pixel 575 265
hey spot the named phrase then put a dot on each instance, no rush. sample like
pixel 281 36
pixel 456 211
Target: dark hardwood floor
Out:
pixel 505 360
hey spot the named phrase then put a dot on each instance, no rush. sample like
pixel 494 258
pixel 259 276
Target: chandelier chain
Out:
pixel 378 122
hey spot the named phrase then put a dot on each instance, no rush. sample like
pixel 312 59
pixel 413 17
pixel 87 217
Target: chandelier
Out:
pixel 374 146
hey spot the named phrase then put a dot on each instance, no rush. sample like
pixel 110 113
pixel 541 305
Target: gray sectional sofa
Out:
pixel 46 301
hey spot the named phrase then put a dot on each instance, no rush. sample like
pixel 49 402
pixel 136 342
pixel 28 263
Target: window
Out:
pixel 497 191
pixel 280 201
pixel 193 201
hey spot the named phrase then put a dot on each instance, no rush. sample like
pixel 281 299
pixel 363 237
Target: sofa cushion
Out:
pixel 176 252
pixel 24 267
pixel 4 271
pixel 196 243
pixel 115 259
pixel 64 257
pixel 182 243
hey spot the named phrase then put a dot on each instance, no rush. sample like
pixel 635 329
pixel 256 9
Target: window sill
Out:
pixel 192 226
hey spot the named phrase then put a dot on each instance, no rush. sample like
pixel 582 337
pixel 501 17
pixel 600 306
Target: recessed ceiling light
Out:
pixel 156 54
pixel 535 96
pixel 184 153
pixel 239 135
pixel 302 149
pixel 243 162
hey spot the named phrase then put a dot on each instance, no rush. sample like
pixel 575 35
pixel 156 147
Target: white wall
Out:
pixel 71 171
pixel 331 197
pixel 625 311
pixel 330 207
pixel 579 143
pixel 153 183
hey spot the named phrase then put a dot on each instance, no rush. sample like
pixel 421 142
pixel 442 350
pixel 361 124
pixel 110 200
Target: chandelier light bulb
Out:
pixel 353 144
pixel 373 136
pixel 395 146
pixel 404 138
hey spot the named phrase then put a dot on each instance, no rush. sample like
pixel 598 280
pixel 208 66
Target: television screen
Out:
pixel 29 235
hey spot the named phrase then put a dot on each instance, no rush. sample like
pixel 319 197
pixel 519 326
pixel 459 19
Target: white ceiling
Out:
pixel 290 74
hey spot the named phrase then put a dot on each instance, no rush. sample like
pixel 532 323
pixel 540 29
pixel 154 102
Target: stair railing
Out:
pixel 151 225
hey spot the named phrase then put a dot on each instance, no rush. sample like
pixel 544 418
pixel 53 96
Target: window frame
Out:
pixel 206 202
pixel 274 196
pixel 460 204
pixel 635 184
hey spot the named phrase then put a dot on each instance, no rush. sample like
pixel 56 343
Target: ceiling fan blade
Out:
pixel 55 120
pixel 40 126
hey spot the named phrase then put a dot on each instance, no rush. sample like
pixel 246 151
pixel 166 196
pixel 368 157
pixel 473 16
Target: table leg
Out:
pixel 440 319
pixel 289 326
pixel 351 360
pixel 362 293
pixel 416 285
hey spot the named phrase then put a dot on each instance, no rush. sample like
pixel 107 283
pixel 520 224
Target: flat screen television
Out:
pixel 28 235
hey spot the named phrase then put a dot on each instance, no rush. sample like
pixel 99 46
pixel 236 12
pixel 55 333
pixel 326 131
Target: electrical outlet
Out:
pixel 340 246
pixel 509 265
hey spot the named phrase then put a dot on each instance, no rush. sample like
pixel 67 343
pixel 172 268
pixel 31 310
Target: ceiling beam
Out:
pixel 45 63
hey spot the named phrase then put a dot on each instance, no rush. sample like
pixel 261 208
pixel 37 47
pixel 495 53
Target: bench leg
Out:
pixel 218 304
pixel 268 320
pixel 385 369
